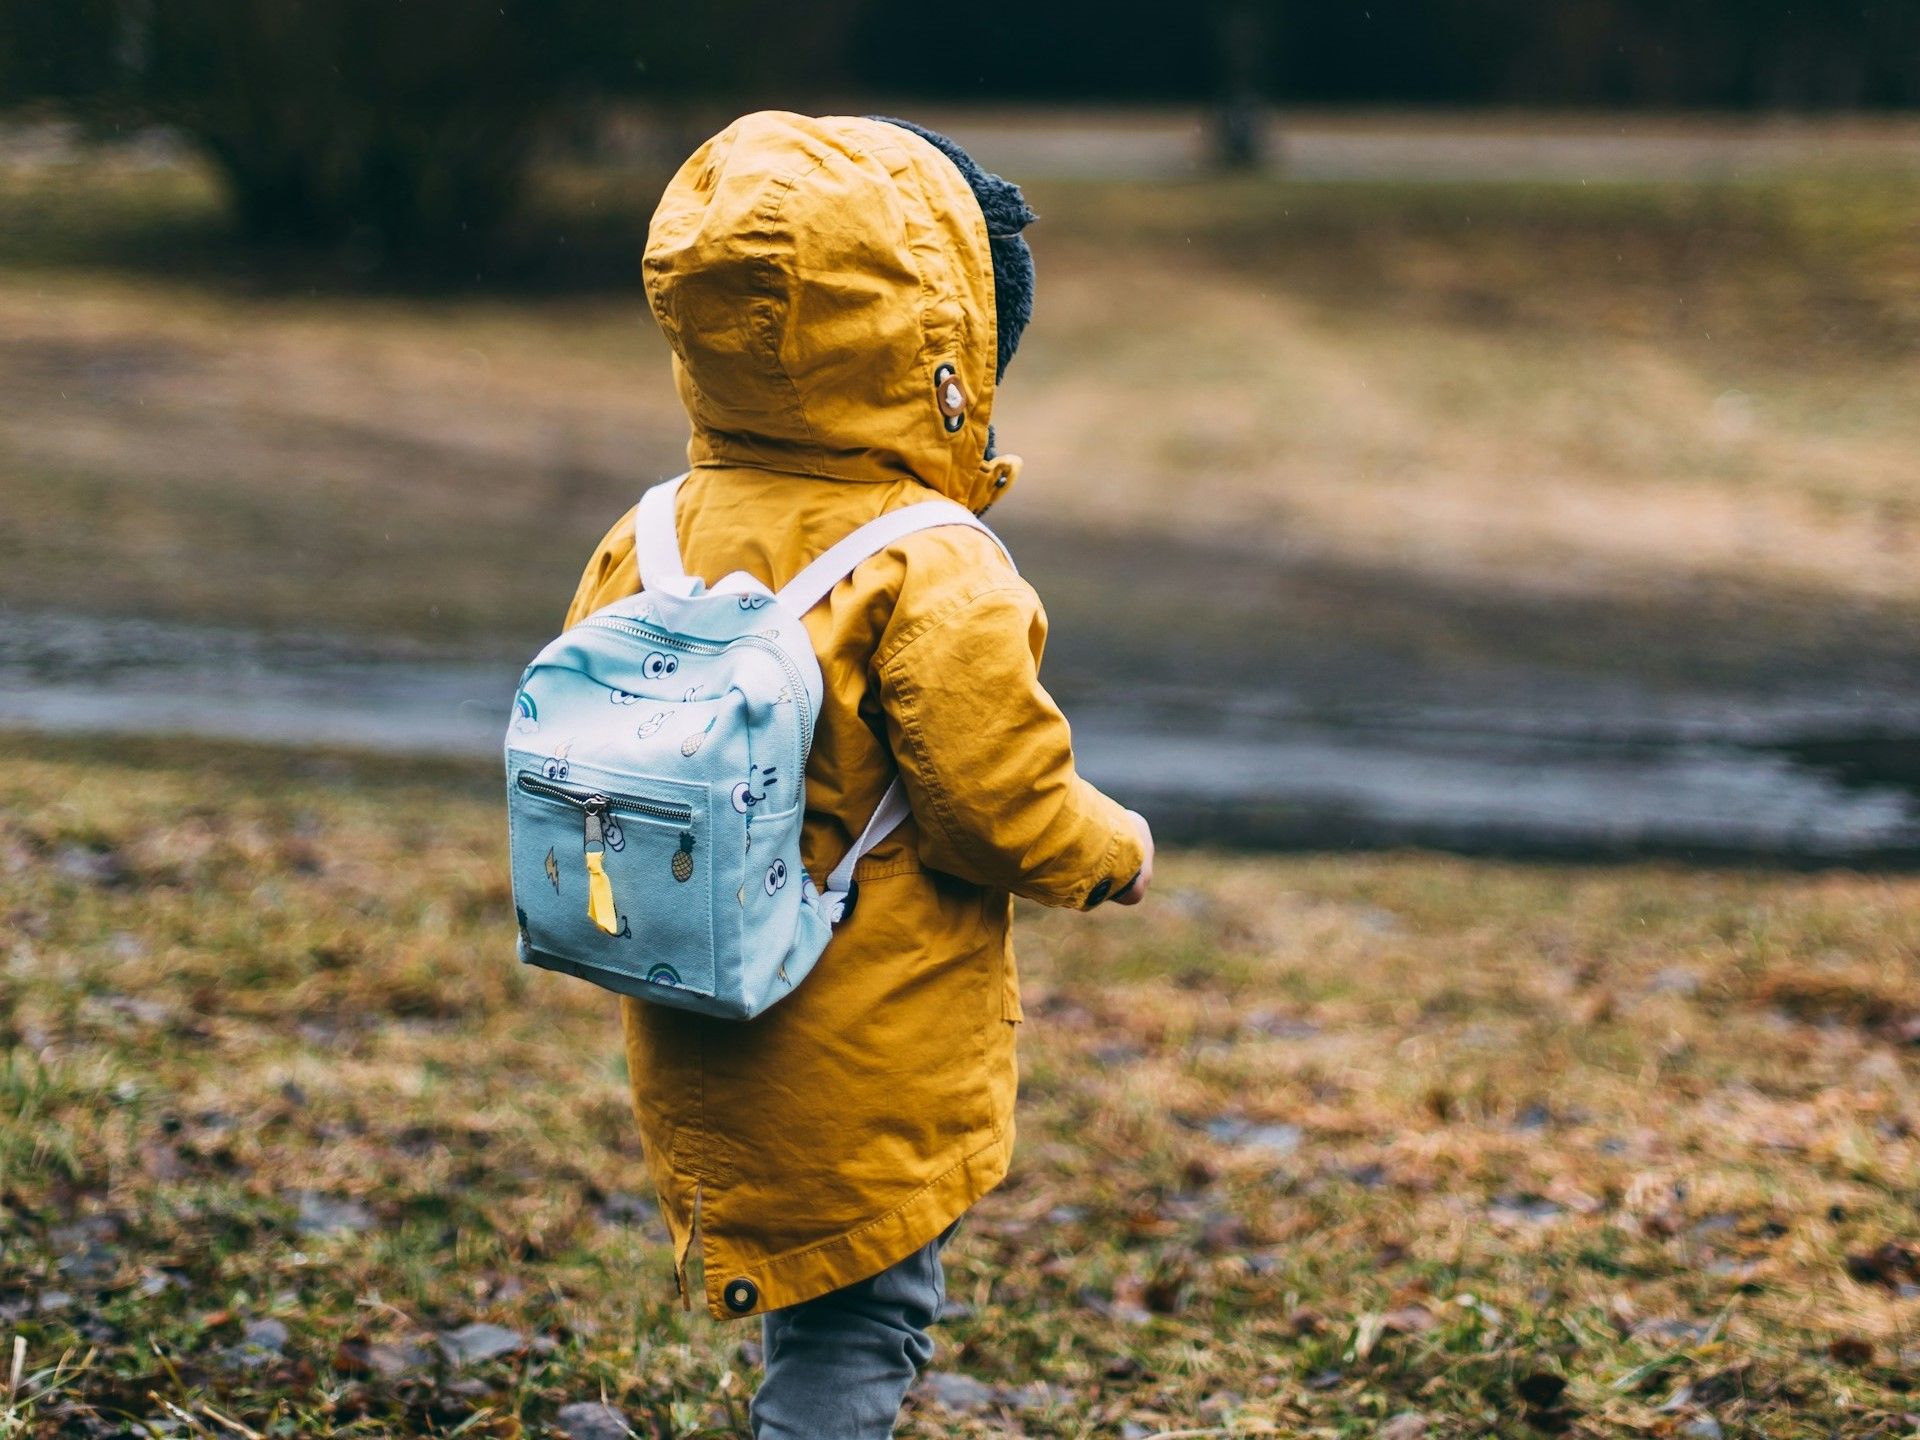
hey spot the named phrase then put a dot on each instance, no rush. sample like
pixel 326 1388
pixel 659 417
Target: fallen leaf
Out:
pixel 1851 1350
pixel 1305 1321
pixel 1408 1320
pixel 1886 1264
pixel 1407 1425
pixel 1622 1315
pixel 1542 1389
pixel 161 1162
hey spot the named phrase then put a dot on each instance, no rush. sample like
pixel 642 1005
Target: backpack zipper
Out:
pixel 585 795
pixel 663 637
pixel 799 688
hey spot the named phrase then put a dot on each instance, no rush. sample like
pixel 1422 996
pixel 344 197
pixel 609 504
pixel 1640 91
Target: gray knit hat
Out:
pixel 1007 215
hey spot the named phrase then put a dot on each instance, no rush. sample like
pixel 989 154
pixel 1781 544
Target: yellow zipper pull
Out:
pixel 600 906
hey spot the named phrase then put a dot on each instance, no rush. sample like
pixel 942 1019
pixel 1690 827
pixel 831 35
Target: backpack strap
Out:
pixel 837 899
pixel 656 539
pixel 808 589
pixel 810 586
pixel 657 550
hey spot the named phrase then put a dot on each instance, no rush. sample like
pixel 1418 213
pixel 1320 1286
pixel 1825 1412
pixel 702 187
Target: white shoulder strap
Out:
pixel 656 539
pixel 808 589
pixel 810 586
pixel 887 815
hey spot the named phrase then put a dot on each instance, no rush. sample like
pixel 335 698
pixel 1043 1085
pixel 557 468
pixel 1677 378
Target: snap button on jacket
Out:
pixel 812 277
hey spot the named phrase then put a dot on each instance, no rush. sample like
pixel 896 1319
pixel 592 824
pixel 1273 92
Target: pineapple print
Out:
pixel 683 858
pixel 692 743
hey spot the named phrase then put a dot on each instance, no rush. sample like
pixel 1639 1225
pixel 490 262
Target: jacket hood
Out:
pixel 826 285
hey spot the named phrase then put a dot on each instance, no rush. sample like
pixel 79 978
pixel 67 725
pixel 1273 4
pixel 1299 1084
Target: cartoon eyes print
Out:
pixel 622 697
pixel 776 876
pixel 753 602
pixel 659 665
pixel 557 767
pixel 743 797
pixel 650 726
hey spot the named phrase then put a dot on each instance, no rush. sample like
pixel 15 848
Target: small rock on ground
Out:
pixel 472 1344
pixel 590 1420
pixel 964 1395
pixel 1269 1139
pixel 388 1359
pixel 961 1394
pixel 325 1215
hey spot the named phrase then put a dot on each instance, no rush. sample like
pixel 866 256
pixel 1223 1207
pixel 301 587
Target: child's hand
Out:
pixel 1137 891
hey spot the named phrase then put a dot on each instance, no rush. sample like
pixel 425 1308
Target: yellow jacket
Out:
pixel 812 276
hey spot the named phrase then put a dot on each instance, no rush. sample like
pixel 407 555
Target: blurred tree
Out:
pixel 1240 30
pixel 402 126
pixel 1723 53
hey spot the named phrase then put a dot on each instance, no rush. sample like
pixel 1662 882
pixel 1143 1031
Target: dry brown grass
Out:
pixel 1306 1143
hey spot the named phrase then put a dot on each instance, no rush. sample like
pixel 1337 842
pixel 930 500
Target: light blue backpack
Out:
pixel 656 765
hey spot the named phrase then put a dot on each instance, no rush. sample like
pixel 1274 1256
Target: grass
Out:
pixel 1307 1144
pixel 1610 419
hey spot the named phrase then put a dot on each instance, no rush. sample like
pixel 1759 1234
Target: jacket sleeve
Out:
pixel 987 758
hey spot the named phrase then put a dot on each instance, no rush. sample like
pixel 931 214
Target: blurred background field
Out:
pixel 1599 464
pixel 1518 408
pixel 1681 408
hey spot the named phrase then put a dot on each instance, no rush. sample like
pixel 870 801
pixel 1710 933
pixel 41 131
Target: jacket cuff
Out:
pixel 1119 867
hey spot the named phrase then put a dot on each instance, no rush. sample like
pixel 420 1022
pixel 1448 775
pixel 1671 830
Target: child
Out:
pixel 841 297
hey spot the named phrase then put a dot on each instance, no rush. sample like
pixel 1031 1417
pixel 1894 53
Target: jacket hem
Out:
pixel 805 1274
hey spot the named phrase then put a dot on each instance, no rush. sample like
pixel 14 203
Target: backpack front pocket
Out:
pixel 617 875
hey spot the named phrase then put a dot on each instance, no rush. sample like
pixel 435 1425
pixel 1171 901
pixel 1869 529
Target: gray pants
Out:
pixel 838 1366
